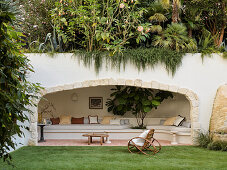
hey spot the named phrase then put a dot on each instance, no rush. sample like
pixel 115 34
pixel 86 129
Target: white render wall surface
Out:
pixel 201 77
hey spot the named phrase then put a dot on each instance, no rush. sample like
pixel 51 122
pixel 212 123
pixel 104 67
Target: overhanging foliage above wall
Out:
pixel 142 58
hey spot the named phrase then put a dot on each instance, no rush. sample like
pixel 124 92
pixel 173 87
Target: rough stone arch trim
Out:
pixel 190 95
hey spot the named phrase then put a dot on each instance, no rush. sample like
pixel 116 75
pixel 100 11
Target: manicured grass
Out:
pixel 107 157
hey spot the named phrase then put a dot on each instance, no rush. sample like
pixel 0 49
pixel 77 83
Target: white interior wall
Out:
pixel 64 105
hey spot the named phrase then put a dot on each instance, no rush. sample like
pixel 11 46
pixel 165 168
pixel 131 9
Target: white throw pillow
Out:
pixel 115 122
pixel 93 119
pixel 178 121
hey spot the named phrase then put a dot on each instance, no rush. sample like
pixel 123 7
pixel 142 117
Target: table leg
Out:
pixel 89 140
pixel 101 140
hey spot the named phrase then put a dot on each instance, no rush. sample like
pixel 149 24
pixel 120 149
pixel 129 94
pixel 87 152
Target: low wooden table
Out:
pixel 100 135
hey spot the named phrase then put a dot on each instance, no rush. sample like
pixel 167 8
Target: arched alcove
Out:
pixel 190 95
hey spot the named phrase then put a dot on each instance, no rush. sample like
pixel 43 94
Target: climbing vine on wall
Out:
pixel 142 58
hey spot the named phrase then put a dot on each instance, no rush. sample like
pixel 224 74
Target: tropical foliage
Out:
pixel 175 37
pixel 213 16
pixel 119 25
pixel 99 25
pixel 138 101
pixel 15 91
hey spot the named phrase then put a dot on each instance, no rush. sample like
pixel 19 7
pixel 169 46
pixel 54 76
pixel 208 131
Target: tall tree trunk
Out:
pixel 218 36
pixel 221 35
pixel 175 12
pixel 190 32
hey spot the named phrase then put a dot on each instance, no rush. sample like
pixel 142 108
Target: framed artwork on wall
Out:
pixel 95 103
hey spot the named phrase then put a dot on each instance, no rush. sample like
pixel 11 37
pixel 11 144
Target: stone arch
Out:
pixel 190 95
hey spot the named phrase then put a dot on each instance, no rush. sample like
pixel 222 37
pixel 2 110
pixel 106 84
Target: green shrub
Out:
pixel 16 92
pixel 203 139
pixel 218 145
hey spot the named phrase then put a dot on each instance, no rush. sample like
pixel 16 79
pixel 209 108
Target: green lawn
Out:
pixel 107 157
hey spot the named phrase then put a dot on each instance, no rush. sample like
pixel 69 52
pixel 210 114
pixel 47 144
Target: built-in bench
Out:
pixel 75 131
pixel 175 134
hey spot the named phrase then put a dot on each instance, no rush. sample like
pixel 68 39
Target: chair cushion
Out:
pixel 140 141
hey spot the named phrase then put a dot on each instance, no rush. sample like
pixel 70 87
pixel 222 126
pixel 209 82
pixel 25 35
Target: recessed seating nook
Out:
pixel 70 113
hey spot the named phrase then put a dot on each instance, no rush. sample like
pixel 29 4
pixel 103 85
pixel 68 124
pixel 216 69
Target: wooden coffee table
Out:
pixel 100 135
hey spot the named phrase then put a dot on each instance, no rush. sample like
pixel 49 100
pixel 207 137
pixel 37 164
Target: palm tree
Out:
pixel 175 8
pixel 175 37
pixel 158 14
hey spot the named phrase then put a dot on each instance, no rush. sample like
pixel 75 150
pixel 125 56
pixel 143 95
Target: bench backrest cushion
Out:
pixel 77 120
pixel 170 121
pixel 65 120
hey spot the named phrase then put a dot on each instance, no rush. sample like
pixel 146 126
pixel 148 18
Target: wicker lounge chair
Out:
pixel 145 143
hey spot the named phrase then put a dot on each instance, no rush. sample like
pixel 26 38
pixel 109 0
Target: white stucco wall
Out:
pixel 202 77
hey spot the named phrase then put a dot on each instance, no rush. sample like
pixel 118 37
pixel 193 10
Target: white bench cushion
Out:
pixel 169 128
pixel 85 127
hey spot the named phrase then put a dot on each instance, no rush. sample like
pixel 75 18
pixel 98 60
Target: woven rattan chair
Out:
pixel 145 144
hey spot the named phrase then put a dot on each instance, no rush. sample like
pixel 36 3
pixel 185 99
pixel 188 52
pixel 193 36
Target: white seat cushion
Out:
pixel 83 127
pixel 170 128
pixel 140 141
